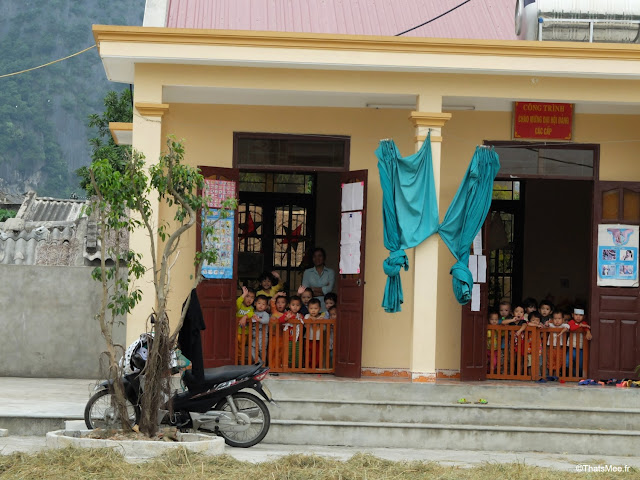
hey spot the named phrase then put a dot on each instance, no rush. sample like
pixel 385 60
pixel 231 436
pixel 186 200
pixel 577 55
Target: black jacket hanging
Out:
pixel 189 336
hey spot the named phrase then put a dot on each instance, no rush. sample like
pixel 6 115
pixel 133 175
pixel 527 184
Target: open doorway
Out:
pixel 282 216
pixel 295 192
pixel 538 239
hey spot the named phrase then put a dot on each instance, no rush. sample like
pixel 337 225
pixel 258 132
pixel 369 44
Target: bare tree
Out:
pixel 123 192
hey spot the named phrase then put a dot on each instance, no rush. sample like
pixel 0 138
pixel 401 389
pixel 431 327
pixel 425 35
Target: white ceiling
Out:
pixel 287 98
pixel 290 98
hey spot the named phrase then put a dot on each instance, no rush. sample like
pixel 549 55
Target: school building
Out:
pixel 290 116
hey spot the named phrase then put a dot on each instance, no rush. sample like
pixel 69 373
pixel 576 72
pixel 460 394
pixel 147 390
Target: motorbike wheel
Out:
pixel 260 420
pixel 101 413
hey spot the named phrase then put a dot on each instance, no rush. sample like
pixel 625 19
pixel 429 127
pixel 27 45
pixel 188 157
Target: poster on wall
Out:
pixel 223 240
pixel 618 256
pixel 218 191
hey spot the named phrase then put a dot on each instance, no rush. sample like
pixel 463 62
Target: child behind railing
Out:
pixel 534 321
pixel 492 337
pixel 577 325
pixel 313 338
pixel 554 350
pixel 259 323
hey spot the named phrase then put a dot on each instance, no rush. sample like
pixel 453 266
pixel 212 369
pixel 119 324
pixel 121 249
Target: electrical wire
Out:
pixel 48 63
pixel 433 19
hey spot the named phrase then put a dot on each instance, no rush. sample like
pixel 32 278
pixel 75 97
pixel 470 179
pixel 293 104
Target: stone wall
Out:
pixel 47 324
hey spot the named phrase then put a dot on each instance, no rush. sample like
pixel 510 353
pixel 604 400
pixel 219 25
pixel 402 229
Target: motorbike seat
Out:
pixel 229 372
pixel 213 376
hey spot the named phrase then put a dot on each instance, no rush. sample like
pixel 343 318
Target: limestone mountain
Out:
pixel 43 113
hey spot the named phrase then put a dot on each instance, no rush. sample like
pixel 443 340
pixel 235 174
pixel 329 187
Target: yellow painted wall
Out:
pixel 208 133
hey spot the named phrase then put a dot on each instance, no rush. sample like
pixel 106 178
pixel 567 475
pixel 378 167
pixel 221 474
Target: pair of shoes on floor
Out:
pixel 464 401
pixel 588 381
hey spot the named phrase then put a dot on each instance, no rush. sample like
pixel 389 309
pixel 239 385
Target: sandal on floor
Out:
pixel 541 380
pixel 481 401
pixel 551 378
pixel 463 401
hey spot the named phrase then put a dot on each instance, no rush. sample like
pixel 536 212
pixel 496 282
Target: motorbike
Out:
pixel 219 405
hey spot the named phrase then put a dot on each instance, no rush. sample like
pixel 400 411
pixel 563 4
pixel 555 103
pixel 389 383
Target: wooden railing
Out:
pixel 293 347
pixel 533 355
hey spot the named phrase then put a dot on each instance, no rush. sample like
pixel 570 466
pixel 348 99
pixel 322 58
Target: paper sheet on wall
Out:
pixel 351 231
pixel 350 258
pixel 473 267
pixel 475 298
pixel 482 269
pixel 352 196
pixel 477 244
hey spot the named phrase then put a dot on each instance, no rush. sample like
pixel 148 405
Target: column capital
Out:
pixel 429 119
pixel 147 109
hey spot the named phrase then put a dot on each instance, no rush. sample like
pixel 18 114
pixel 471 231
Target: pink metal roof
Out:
pixel 482 19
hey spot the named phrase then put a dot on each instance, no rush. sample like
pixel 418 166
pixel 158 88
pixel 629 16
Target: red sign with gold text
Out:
pixel 548 121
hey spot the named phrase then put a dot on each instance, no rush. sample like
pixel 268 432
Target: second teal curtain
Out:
pixel 410 213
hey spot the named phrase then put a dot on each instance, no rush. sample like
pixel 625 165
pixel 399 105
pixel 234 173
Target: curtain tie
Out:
pixel 462 282
pixel 394 262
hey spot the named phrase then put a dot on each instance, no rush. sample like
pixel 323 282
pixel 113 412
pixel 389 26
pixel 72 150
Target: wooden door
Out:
pixel 351 274
pixel 615 311
pixel 217 295
pixel 473 345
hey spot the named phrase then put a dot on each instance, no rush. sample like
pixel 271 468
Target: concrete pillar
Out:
pixel 425 268
pixel 147 139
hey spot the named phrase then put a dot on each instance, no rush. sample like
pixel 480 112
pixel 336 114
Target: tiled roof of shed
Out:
pixel 45 209
pixel 7 198
pixel 480 19
pixel 20 248
pixel 44 232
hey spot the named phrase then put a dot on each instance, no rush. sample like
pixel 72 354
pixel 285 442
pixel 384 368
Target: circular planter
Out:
pixel 137 449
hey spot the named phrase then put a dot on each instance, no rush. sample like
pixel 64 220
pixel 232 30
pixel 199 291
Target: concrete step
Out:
pixel 499 393
pixel 455 414
pixel 27 425
pixel 455 437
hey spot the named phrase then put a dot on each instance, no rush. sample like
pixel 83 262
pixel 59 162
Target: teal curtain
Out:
pixel 409 210
pixel 466 214
pixel 410 213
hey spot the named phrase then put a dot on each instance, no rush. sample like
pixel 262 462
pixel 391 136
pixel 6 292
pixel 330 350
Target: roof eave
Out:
pixel 305 50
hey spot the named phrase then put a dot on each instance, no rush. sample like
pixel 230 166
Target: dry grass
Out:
pixel 74 464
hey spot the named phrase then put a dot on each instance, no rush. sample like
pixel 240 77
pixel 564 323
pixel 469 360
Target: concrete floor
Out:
pixel 67 397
